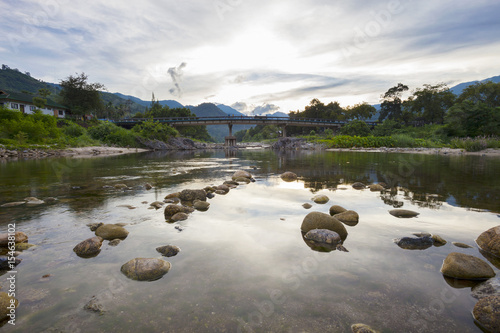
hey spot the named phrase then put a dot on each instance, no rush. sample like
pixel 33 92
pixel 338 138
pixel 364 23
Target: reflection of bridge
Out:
pixel 283 122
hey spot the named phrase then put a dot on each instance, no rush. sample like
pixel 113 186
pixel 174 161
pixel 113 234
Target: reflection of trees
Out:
pixel 429 179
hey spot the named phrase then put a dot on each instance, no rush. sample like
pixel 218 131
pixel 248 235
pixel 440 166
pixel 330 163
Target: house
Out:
pixel 24 103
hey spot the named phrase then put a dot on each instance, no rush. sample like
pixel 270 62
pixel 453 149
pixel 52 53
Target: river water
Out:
pixel 243 265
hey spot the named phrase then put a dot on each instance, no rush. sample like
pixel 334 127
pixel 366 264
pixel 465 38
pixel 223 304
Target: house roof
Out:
pixel 27 98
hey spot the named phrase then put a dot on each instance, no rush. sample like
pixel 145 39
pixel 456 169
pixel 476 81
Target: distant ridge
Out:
pixel 170 103
pixel 459 88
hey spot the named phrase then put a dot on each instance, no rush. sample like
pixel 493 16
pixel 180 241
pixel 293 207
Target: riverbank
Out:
pixel 429 151
pixel 68 152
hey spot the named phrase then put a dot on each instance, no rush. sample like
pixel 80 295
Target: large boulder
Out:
pixel 111 231
pixel 489 241
pixel 320 199
pixel 487 288
pixel 289 176
pixel 464 266
pixel 487 313
pixel 201 205
pixel 145 269
pixel 349 217
pixel 192 195
pixel 89 247
pixel 318 220
pixel 18 237
pixel 403 213
pixel 8 306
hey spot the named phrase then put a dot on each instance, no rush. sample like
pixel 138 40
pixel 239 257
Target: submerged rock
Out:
pixel 94 305
pixel 487 288
pixel 13 204
pixel 5 263
pixel 145 269
pixel 307 205
pixel 320 199
pixel 172 195
pixel 157 204
pixel 412 243
pixel 168 250
pixel 489 241
pixel 487 313
pixel 288 176
pixel 5 302
pixel 438 240
pixel 223 188
pixel 403 213
pixel 111 231
pixel 464 266
pixel 179 217
pixel 318 220
pixel 362 328
pixel 462 245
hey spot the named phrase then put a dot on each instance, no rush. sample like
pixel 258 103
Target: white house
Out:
pixel 24 103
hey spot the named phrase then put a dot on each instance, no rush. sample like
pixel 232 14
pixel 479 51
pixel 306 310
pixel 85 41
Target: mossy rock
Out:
pixel 487 313
pixel 349 217
pixel 467 267
pixel 403 213
pixel 241 174
pixel 289 176
pixel 89 247
pixel 111 231
pixel 489 241
pixel 5 302
pixel 320 199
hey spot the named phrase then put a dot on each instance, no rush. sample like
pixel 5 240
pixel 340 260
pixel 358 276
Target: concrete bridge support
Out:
pixel 230 140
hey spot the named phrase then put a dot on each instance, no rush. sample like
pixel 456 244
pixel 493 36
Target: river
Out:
pixel 244 265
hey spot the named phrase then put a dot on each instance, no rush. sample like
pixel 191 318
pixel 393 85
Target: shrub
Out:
pixel 356 127
pixel 73 130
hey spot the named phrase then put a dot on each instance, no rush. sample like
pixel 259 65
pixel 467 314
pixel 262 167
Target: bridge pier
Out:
pixel 230 141
pixel 283 129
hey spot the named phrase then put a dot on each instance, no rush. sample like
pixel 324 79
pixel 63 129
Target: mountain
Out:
pixel 218 132
pixel 14 80
pixel 168 102
pixel 278 114
pixel 457 90
pixel 229 110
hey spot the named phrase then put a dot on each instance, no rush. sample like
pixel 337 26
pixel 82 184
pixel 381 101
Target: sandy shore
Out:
pixel 437 151
pixel 98 151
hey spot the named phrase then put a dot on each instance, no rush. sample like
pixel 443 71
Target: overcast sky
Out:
pixel 274 55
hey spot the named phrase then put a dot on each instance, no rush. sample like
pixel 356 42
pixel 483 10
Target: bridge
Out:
pixel 230 120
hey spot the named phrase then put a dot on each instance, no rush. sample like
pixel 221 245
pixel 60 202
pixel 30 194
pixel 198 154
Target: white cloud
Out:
pixel 254 52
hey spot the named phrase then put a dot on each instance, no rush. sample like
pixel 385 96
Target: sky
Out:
pixel 255 55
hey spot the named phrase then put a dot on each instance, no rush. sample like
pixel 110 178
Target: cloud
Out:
pixel 265 109
pixel 176 75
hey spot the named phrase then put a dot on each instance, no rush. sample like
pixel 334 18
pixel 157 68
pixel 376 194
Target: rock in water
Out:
pixel 89 247
pixel 412 243
pixel 323 236
pixel 19 237
pixel 5 302
pixel 201 205
pixel 487 313
pixel 489 241
pixel 358 186
pixel 145 269
pixel 335 209
pixel 320 199
pixel 111 231
pixel 288 176
pixel 171 210
pixel 179 217
pixel 168 250
pixel 464 266
pixel 404 213
pixel 362 328
pixel 487 288
pixel 349 217
pixel 241 174
pixel 191 195
pixel 318 220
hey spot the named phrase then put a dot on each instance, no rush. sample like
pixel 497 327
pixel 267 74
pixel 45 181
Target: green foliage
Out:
pixel 347 141
pixel 81 97
pixel 387 128
pixel 73 130
pixel 34 128
pixel 360 111
pixel 476 144
pixel 356 127
pixel 391 107
pixel 429 104
pixel 473 119
pixel 155 130
pixel 39 102
pixel 109 133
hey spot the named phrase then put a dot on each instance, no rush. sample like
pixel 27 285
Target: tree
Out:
pixel 44 92
pixel 430 103
pixel 391 107
pixel 39 102
pixel 80 96
pixel 356 127
pixel 360 111
pixel 485 92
